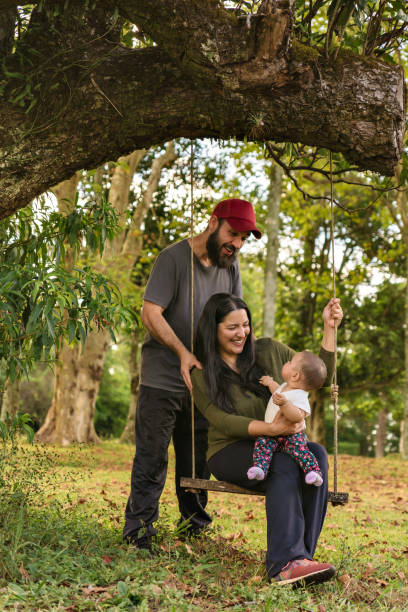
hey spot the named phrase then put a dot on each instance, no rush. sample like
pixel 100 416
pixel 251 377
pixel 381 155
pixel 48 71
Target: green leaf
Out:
pixel 17 591
pixel 122 588
pixel 34 317
pixel 71 330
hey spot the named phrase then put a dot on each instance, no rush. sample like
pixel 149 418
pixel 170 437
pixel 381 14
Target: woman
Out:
pixel 228 393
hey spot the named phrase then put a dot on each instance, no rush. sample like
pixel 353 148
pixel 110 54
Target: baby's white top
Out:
pixel 298 397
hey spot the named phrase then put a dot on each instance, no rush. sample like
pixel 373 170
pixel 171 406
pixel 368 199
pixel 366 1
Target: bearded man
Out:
pixel 164 407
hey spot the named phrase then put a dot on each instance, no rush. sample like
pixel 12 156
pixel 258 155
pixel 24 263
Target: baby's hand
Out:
pixel 269 382
pixel 266 380
pixel 279 399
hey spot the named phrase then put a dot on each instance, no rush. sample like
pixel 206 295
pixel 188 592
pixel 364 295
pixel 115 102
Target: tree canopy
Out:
pixel 85 82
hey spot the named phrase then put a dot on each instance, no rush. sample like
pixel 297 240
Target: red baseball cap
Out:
pixel 240 215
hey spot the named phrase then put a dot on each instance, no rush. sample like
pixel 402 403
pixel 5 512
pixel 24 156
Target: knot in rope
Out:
pixel 334 392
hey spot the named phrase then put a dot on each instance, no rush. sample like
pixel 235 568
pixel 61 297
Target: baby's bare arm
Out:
pixel 268 381
pixel 289 410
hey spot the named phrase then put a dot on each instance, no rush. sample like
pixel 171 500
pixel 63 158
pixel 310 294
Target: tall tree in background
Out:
pixel 78 373
pixel 10 402
pixel 275 173
pixel 397 205
pixel 68 419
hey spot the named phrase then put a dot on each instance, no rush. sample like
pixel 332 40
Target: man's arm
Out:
pixel 156 324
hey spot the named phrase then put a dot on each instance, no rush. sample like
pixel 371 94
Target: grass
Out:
pixel 66 553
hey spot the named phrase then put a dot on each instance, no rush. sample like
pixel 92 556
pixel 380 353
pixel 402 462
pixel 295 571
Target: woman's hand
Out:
pixel 281 426
pixel 332 316
pixel 332 313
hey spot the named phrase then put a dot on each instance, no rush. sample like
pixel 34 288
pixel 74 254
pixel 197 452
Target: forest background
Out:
pixel 287 279
pixel 81 86
pixel 75 261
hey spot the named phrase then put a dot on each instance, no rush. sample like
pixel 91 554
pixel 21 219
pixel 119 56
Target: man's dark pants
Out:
pixel 161 415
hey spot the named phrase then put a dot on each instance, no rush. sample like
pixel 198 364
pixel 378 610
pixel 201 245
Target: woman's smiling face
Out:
pixel 232 333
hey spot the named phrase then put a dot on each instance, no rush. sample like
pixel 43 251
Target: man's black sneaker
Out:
pixel 143 543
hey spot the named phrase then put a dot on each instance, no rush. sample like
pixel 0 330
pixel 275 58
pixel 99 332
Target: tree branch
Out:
pixel 372 386
pixel 234 81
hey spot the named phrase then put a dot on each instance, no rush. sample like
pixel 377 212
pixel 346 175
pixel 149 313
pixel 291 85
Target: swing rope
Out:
pixel 193 467
pixel 334 386
pixel 195 485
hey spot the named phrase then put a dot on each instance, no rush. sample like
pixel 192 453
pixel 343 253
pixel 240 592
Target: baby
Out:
pixel 303 373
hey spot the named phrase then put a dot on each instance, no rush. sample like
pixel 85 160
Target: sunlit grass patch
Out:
pixel 67 549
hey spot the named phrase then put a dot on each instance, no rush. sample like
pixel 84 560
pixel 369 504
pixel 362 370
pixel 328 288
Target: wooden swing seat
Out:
pixel 195 485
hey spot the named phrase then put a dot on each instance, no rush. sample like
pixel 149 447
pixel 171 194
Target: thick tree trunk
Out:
pixel 210 74
pixel 315 423
pixel 381 434
pixel 70 418
pixel 272 250
pixel 401 219
pixel 78 375
pixel 404 424
pixel 401 441
pixel 11 399
pixel 128 434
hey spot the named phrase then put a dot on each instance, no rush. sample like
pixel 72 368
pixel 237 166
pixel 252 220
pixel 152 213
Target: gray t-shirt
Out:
pixel 169 287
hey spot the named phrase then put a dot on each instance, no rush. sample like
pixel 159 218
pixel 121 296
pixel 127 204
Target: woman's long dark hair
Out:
pixel 217 375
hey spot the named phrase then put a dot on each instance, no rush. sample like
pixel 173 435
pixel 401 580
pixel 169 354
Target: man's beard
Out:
pixel 214 252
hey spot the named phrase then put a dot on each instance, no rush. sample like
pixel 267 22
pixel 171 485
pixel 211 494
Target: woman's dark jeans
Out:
pixel 295 511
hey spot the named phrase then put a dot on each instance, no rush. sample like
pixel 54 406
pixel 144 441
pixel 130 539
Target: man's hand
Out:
pixel 187 362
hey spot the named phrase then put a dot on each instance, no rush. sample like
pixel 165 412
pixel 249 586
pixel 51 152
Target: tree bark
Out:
pixel 11 399
pixel 272 250
pixel 211 74
pixel 128 434
pixel 78 375
pixel 7 25
pixel 401 218
pixel 404 424
pixel 381 433
pixel 70 418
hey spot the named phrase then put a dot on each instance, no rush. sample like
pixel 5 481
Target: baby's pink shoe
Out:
pixel 314 478
pixel 255 473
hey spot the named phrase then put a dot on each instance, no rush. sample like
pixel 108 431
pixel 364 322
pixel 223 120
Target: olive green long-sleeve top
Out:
pixel 226 428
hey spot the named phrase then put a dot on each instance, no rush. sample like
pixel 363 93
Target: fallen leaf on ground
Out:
pixel 345 579
pixel 368 571
pixel 23 573
pixel 93 589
